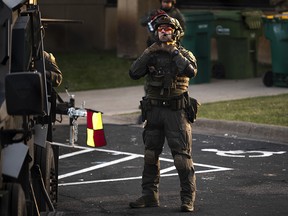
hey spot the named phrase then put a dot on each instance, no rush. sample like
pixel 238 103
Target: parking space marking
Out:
pixel 243 154
pixel 75 153
pixel 97 166
pixel 130 156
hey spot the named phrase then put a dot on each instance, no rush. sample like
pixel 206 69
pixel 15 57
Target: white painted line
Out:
pixel 75 153
pixel 220 169
pixel 137 177
pixel 243 153
pixel 131 156
pixel 167 169
pixel 95 149
pixel 208 166
pixel 99 181
pixel 97 167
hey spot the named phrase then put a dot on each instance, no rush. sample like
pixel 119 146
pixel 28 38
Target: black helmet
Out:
pixel 174 23
pixel 154 15
pixel 173 1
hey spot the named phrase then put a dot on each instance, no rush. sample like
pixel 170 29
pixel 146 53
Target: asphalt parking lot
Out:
pixel 235 176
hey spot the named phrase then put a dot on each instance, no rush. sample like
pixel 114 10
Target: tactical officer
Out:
pixel 167 112
pixel 53 73
pixel 167 7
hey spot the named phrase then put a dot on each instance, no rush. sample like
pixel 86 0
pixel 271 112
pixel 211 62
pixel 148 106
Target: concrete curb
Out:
pixel 117 103
pixel 267 133
pixel 270 133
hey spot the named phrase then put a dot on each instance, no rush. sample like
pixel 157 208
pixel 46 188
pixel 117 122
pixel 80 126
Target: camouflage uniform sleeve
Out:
pixel 53 73
pixel 186 62
pixel 139 67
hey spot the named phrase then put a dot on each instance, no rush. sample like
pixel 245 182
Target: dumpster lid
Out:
pixel 234 15
pixel 252 13
pixel 253 18
pixel 282 16
pixel 198 15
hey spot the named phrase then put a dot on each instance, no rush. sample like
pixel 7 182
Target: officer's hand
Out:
pixel 169 48
pixel 153 48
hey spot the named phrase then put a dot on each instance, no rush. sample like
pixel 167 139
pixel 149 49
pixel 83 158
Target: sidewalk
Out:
pixel 126 100
pixel 113 102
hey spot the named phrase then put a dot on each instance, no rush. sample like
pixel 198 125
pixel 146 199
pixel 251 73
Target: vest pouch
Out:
pixel 145 105
pixel 192 108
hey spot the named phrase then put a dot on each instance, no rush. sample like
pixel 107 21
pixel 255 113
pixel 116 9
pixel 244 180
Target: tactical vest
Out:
pixel 163 79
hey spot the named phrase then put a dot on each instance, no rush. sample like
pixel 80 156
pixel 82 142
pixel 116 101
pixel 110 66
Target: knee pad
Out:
pixel 182 162
pixel 150 157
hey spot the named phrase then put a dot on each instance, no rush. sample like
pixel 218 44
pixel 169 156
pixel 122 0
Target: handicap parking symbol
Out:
pixel 243 153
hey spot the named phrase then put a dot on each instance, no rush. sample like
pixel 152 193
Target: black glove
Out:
pixel 153 48
pixel 181 62
pixel 170 48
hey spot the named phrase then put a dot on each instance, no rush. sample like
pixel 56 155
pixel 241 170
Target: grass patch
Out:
pixel 103 69
pixel 265 110
pixel 94 70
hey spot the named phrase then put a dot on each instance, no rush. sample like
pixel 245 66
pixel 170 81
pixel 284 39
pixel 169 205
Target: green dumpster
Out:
pixel 276 31
pixel 237 34
pixel 197 39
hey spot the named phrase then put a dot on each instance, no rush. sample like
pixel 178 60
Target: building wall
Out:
pixel 110 37
pixel 131 35
pixel 102 27
pixel 106 27
pixel 65 36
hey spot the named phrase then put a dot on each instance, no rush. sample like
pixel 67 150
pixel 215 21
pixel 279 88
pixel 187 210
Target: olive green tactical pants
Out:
pixel 164 123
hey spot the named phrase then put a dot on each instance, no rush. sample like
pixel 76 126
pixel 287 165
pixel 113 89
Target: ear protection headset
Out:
pixel 178 33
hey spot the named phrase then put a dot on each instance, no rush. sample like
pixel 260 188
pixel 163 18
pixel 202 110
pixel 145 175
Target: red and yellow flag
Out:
pixel 95 130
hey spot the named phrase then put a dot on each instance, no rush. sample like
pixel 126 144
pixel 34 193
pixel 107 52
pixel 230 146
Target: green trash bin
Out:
pixel 237 34
pixel 276 31
pixel 197 39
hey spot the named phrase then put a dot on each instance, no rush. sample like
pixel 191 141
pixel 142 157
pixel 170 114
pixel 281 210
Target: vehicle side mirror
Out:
pixel 25 94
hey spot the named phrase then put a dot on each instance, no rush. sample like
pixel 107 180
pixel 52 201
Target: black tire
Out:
pixel 52 213
pixel 46 161
pixel 17 202
pixel 50 178
pixel 49 173
pixel 268 79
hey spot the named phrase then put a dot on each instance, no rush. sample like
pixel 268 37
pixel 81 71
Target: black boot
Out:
pixel 145 201
pixel 187 206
